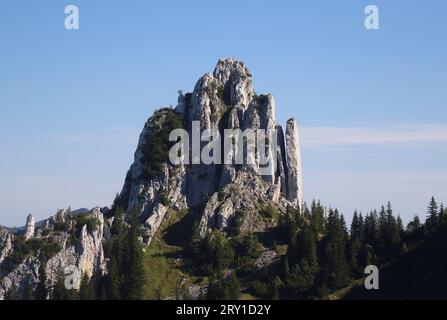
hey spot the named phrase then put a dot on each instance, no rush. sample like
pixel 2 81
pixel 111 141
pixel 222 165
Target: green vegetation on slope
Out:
pixel 163 261
pixel 157 144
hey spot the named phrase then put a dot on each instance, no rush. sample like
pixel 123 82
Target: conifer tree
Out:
pixel 442 214
pixel 286 267
pixel 60 292
pixel 41 290
pixel 393 232
pixel 317 212
pixel 432 214
pixel 371 229
pixel 335 267
pixel 223 289
pixel 355 226
pixel 414 225
pixel 29 292
pixel 86 290
pixel 116 250
pixel 134 279
pixel 383 231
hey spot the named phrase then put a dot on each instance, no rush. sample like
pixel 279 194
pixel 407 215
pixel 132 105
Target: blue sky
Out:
pixel 372 105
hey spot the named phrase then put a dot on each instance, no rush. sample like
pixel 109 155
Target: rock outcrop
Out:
pixel 293 147
pixel 224 99
pixel 29 228
pixel 25 274
pixel 83 256
pixel 5 244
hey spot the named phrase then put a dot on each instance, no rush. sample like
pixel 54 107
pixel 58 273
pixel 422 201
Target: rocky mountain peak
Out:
pixel 230 197
pixel 224 99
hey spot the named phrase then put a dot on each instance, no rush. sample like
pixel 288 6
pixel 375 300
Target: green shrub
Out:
pixel 248 250
pixel 210 255
pixel 261 289
pixel 62 227
pixel 224 289
pixel 164 199
pixel 82 220
pixel 221 196
pixel 269 212
pixel 220 92
pixel 236 223
pixel 156 149
pixel 45 247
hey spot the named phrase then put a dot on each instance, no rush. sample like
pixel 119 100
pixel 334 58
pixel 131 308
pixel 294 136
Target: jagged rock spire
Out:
pixel 223 99
pixel 293 150
pixel 29 229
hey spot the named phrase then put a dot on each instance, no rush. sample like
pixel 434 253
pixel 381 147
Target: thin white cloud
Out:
pixel 373 135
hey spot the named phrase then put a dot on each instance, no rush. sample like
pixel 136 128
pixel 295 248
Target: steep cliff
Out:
pixel 222 100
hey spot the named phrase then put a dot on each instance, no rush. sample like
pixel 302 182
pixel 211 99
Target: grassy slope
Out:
pixel 162 262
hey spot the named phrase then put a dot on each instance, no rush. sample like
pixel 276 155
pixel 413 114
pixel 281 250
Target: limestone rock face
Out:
pixel 142 193
pixel 222 100
pixel 294 186
pixel 90 251
pixel 29 229
pixel 154 222
pixel 26 273
pixel 247 195
pixel 85 256
pixel 5 244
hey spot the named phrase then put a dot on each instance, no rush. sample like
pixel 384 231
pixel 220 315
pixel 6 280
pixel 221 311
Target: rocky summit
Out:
pixel 224 99
pixel 211 196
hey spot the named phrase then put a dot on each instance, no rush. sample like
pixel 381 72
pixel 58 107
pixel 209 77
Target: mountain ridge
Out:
pixel 218 195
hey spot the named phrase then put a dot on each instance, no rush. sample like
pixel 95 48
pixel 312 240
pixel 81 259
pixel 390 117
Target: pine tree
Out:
pixel 393 238
pixel 317 212
pixel 86 290
pixel 286 267
pixel 306 246
pixel 60 292
pixel 335 266
pixel 371 229
pixel 414 225
pixel 356 227
pixel 224 289
pixel 134 279
pixel 354 246
pixel 41 290
pixel 442 214
pixel 116 266
pixel 29 292
pixel 301 279
pixel 383 232
pixel 432 214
